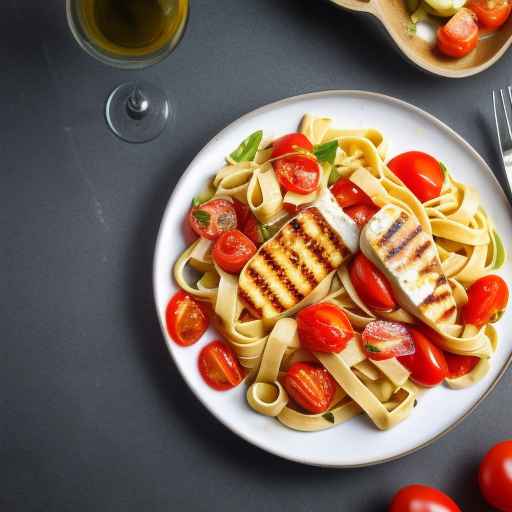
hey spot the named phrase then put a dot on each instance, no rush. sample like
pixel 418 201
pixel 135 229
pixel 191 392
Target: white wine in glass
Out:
pixel 131 34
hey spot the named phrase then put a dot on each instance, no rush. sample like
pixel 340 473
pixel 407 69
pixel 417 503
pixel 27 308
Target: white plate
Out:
pixel 356 442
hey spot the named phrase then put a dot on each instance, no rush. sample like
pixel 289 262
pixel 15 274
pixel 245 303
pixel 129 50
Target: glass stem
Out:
pixel 138 104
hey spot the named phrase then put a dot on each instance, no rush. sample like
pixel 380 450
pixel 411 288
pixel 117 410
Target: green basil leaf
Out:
pixel 411 29
pixel 326 152
pixel 333 177
pixel 196 202
pixel 267 232
pixel 248 148
pixel 501 253
pixel 202 217
pixel 371 348
pixel 329 416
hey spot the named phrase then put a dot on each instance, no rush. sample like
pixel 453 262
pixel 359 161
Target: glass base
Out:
pixel 137 112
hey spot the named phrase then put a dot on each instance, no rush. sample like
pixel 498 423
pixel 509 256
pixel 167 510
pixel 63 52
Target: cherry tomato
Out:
pixel 212 218
pixel 420 172
pixel 384 340
pixel 349 194
pixel 421 498
pixel 310 385
pixel 219 366
pixel 186 319
pixel 486 297
pixel 361 213
pixel 242 212
pixel 289 144
pixel 495 476
pixel 232 251
pixel 298 173
pixel 252 229
pixel 371 284
pixel 459 36
pixel 427 365
pixel 324 327
pixel 491 13
pixel 293 209
pixel 458 365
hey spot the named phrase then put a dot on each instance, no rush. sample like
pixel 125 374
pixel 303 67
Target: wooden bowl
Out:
pixel 393 15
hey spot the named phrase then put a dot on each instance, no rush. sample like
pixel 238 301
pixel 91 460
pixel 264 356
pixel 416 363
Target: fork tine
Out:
pixel 503 102
pixel 496 119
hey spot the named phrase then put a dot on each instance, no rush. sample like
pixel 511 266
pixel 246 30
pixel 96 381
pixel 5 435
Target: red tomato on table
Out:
pixel 289 144
pixel 495 476
pixel 233 250
pixel 460 35
pixel 361 213
pixel 310 385
pixel 486 297
pixel 371 284
pixel 297 173
pixel 421 498
pixel 491 13
pixel 324 327
pixel 384 340
pixel 212 218
pixel 420 173
pixel 427 365
pixel 219 366
pixel 349 194
pixel 186 320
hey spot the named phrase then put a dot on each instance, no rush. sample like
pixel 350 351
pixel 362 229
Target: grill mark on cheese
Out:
pixel 397 249
pixel 418 253
pixel 246 298
pixel 447 314
pixel 327 230
pixel 435 299
pixel 281 275
pixel 431 266
pixel 265 290
pixel 396 226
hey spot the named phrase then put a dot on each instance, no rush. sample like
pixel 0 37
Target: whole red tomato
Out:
pixel 495 476
pixel 421 498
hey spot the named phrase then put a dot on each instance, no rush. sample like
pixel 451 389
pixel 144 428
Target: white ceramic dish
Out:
pixel 357 442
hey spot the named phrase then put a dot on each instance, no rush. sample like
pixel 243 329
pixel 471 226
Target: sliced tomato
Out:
pixel 427 365
pixel 458 365
pixel 289 144
pixel 324 327
pixel 384 340
pixel 242 212
pixel 495 476
pixel 298 173
pixel 371 284
pixel 420 172
pixel 310 386
pixel 186 319
pixel 212 218
pixel 491 13
pixel 487 297
pixel 421 498
pixel 349 194
pixel 233 250
pixel 361 213
pixel 293 209
pixel 459 36
pixel 219 366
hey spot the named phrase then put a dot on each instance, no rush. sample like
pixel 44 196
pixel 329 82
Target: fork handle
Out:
pixel 358 5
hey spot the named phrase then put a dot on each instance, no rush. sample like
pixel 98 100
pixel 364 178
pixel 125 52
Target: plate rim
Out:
pixel 167 211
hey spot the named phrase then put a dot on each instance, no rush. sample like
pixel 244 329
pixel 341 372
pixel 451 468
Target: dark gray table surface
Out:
pixel 93 414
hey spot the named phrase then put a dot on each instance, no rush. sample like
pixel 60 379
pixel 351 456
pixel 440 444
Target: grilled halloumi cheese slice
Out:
pixel 289 266
pixel 394 241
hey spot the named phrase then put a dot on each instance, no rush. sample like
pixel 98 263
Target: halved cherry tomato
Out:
pixel 361 213
pixel 219 366
pixel 232 251
pixel 212 218
pixel 427 365
pixel 185 318
pixel 371 284
pixel 420 172
pixel 421 498
pixel 293 209
pixel 460 35
pixel 384 340
pixel 349 194
pixel 289 144
pixel 458 365
pixel 310 385
pixel 324 327
pixel 491 13
pixel 298 173
pixel 486 297
pixel 252 229
pixel 495 476
pixel 242 212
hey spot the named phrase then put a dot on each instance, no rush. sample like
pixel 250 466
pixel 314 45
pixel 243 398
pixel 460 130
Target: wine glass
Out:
pixel 131 34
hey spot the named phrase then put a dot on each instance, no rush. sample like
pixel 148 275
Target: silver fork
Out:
pixel 504 130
